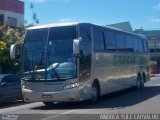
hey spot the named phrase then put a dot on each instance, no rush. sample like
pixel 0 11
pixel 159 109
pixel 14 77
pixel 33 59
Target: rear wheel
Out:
pixel 95 92
pixel 48 103
pixel 1 100
pixel 140 82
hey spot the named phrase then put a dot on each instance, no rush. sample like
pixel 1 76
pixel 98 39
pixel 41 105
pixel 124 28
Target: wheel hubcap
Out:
pixel 94 93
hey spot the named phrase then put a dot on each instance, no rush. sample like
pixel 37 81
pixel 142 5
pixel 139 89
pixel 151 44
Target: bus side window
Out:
pixel 121 42
pixel 110 41
pixel 136 45
pixel 141 45
pixel 98 41
pixel 145 46
pixel 129 44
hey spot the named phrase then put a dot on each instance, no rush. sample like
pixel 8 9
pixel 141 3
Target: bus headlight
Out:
pixel 72 85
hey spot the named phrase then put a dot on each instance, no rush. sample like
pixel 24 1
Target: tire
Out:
pixel 140 82
pixel 1 100
pixel 95 93
pixel 48 103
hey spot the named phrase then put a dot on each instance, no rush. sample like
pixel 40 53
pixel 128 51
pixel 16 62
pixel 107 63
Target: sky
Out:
pixel 140 13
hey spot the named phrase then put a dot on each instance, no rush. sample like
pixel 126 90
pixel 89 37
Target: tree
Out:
pixel 34 16
pixel 10 36
pixel 2 46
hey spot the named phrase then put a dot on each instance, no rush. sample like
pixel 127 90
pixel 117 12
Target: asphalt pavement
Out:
pixel 128 102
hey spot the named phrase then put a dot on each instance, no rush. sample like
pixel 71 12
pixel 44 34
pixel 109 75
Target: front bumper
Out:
pixel 58 96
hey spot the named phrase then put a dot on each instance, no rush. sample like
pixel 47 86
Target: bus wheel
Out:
pixel 140 82
pixel 94 92
pixel 48 103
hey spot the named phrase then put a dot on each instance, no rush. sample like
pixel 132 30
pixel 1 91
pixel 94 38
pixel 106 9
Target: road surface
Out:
pixel 127 102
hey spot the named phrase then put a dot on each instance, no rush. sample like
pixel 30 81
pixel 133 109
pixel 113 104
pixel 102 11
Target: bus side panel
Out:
pixel 112 74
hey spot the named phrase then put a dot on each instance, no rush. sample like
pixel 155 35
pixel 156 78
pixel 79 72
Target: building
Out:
pixel 154 44
pixel 12 13
pixel 126 26
pixel 152 35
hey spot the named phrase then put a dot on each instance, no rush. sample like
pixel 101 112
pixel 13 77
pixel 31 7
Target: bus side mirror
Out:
pixel 76 49
pixel 15 51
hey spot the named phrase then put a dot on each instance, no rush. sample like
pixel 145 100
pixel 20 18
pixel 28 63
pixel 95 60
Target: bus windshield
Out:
pixel 48 54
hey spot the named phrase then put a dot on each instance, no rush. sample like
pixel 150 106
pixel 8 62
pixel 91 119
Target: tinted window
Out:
pixel 36 35
pixel 16 78
pixel 110 41
pixel 34 48
pixel 6 79
pixel 145 46
pixel 11 79
pixel 62 33
pixel 61 43
pixel 136 45
pixel 61 48
pixel 140 45
pixel 129 44
pixel 1 77
pixel 121 43
pixel 98 41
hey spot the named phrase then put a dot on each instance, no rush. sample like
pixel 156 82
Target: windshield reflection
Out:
pixel 52 58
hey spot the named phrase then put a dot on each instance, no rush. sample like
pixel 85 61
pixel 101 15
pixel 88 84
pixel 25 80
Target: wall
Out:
pixel 12 5
pixel 13 9
pixel 18 16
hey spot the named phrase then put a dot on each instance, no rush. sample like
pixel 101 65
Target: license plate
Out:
pixel 47 97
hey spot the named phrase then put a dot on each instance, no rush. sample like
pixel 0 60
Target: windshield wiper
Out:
pixel 33 69
pixel 53 69
pixel 55 72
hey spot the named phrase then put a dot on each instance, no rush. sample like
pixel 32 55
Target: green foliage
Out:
pixel 10 36
pixel 153 62
pixel 2 46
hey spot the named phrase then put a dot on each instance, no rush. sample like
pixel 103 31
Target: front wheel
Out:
pixel 94 92
pixel 48 103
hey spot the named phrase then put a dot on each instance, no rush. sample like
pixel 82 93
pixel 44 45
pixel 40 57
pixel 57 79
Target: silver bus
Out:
pixel 79 61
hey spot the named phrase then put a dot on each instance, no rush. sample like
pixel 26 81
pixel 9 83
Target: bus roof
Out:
pixel 53 25
pixel 76 23
pixel 68 24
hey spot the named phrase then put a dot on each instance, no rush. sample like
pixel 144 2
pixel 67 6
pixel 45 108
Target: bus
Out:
pixel 71 62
